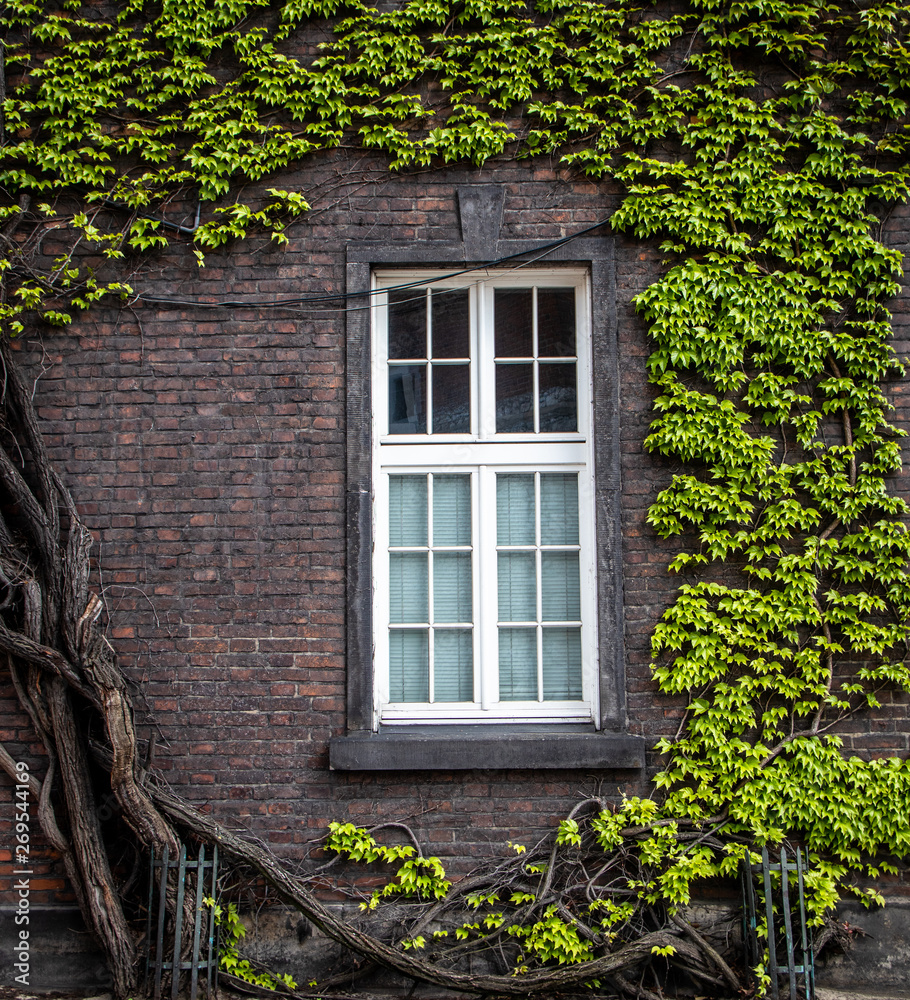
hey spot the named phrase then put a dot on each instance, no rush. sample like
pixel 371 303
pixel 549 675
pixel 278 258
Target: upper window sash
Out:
pixel 406 384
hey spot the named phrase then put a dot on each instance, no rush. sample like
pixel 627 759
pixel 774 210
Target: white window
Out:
pixel 484 588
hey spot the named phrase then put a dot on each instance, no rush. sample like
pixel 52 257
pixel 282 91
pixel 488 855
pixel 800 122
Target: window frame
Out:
pixel 357 746
pixel 483 452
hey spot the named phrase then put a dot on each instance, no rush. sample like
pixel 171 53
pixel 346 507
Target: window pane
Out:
pixel 452 595
pixel 515 509
pixel 559 508
pixel 556 322
pixel 451 510
pixel 559 587
pixel 407 399
pixel 451 399
pixel 518 664
pixel 558 402
pixel 408 323
pixel 450 324
pixel 453 665
pixel 409 665
pixel 513 323
pixel 561 664
pixel 408 587
pixel 407 510
pixel 517 581
pixel 514 398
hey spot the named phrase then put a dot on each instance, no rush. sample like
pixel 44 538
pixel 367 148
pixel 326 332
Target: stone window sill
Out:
pixel 468 748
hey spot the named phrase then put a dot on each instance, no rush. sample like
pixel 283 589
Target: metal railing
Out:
pixel 790 955
pixel 164 937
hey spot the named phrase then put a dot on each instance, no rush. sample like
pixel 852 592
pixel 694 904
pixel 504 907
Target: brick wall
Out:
pixel 206 448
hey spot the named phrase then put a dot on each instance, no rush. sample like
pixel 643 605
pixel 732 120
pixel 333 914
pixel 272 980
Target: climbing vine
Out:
pixel 761 145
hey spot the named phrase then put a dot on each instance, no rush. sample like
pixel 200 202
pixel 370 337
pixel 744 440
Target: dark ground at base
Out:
pixel 16 993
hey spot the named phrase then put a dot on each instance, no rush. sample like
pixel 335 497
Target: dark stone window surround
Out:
pixel 469 746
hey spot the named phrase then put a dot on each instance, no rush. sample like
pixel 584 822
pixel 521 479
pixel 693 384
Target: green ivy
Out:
pixel 759 144
pixel 230 933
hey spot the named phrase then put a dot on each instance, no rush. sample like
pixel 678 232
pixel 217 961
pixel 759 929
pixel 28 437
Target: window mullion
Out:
pixel 429 364
pixel 539 585
pixel 431 612
pixel 486 369
pixel 486 589
pixel 535 365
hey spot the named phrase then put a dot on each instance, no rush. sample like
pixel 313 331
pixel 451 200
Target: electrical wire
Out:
pixel 305 300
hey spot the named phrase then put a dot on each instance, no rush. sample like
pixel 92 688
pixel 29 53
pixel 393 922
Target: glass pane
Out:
pixel 518 664
pixel 514 398
pixel 452 587
pixel 561 664
pixel 513 323
pixel 515 509
pixel 559 587
pixel 517 581
pixel 407 399
pixel 453 665
pixel 559 508
pixel 556 322
pixel 409 665
pixel 451 510
pixel 407 510
pixel 408 587
pixel 408 323
pixel 558 403
pixel 451 316
pixel 451 399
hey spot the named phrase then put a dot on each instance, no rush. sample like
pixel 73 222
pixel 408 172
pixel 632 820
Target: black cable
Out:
pixel 343 296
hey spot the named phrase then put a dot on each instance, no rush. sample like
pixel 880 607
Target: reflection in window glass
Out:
pixel 451 399
pixel 408 324
pixel 407 399
pixel 538 393
pixel 514 398
pixel 451 317
pixel 558 403
pixel 513 322
pixel 556 322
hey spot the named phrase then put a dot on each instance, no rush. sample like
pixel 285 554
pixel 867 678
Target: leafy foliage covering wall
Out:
pixel 761 142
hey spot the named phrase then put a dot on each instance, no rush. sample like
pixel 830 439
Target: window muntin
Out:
pixel 429 361
pixel 538 585
pixel 534 353
pixel 484 578
pixel 430 588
